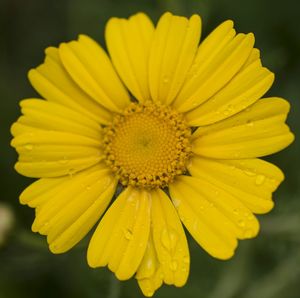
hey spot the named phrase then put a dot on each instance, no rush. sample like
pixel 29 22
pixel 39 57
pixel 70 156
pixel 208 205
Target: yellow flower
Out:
pixel 174 128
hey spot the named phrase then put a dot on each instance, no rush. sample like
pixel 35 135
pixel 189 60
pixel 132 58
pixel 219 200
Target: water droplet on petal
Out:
pixel 241 223
pixel 186 260
pixel 169 238
pixel 166 79
pixel 64 161
pixel 127 234
pixel 173 265
pixel 260 179
pixel 28 147
pixel 249 172
pixel 236 211
pixel 71 172
pixel 249 123
pixel 176 202
pixel 249 233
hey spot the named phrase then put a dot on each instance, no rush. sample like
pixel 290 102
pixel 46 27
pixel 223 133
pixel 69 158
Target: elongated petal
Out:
pixel 89 66
pixel 68 213
pixel 54 83
pixel 257 131
pixel 206 223
pixel 218 69
pixel 251 181
pixel 173 50
pixel 149 274
pixel 45 115
pixel 169 240
pixel 129 42
pixel 52 153
pixel 243 90
pixel 43 189
pixel 121 238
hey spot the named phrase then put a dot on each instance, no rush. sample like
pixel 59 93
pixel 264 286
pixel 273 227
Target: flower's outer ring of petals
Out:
pixel 73 207
pixel 207 51
pixel 121 238
pixel 253 57
pixel 52 81
pixel 214 232
pixel 46 115
pixel 257 131
pixel 43 189
pixel 129 42
pixel 243 224
pixel 44 154
pixel 252 181
pixel 173 49
pixel 169 240
pixel 89 66
pixel 149 274
pixel 244 89
pixel 211 77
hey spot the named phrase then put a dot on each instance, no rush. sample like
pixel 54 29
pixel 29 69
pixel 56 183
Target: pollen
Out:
pixel 148 145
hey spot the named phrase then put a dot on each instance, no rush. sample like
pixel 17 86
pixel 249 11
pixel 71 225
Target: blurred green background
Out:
pixel 265 267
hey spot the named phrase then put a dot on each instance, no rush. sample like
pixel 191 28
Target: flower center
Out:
pixel 148 145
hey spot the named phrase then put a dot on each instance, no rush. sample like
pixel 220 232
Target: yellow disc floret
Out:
pixel 148 145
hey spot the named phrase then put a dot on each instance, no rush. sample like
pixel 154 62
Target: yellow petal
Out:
pixel 69 210
pixel 43 189
pixel 173 49
pixel 53 82
pixel 243 223
pixel 214 232
pixel 251 181
pixel 254 132
pixel 208 78
pixel 169 240
pixel 253 57
pixel 90 67
pixel 243 90
pixel 149 274
pixel 47 115
pixel 53 153
pixel 74 221
pixel 129 42
pixel 121 238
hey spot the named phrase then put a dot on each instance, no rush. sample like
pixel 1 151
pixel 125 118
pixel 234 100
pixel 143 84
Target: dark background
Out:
pixel 265 267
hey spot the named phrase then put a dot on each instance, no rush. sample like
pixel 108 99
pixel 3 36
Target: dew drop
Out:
pixel 249 173
pixel 241 223
pixel 236 211
pixel 166 79
pixel 249 123
pixel 173 265
pixel 28 147
pixel 195 225
pixel 248 233
pixel 186 260
pixel 64 161
pixel 169 238
pixel 176 202
pixel 211 204
pixel 128 234
pixel 260 179
pixel 71 172
pixel 226 112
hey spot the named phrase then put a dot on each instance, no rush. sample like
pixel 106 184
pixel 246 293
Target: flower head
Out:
pixel 178 127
